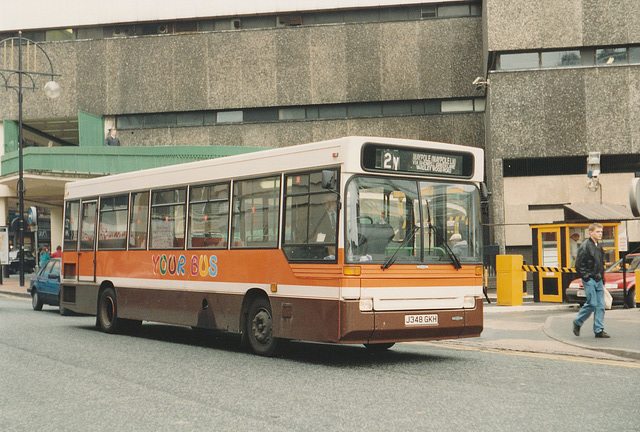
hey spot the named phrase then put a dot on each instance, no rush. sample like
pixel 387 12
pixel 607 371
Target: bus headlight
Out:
pixel 611 286
pixel 469 302
pixel 366 304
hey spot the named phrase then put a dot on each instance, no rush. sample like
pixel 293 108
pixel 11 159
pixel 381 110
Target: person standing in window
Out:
pixel 590 267
pixel 324 230
pixel 573 248
pixel 112 139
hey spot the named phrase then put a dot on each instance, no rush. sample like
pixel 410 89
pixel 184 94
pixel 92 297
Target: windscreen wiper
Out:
pixel 393 257
pixel 450 253
pixel 454 258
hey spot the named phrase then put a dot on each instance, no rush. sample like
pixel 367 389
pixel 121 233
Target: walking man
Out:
pixel 590 267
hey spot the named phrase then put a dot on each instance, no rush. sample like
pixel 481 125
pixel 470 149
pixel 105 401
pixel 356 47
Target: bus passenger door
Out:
pixel 87 252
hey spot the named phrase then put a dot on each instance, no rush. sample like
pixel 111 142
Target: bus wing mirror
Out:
pixel 329 180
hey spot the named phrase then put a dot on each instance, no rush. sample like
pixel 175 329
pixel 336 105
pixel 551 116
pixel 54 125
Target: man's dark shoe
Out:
pixel 576 329
pixel 603 334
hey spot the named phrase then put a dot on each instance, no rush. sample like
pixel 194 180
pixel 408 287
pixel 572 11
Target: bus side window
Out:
pixel 168 210
pixel 88 225
pixel 71 216
pixel 256 212
pixel 112 230
pixel 208 216
pixel 311 218
pixel 138 220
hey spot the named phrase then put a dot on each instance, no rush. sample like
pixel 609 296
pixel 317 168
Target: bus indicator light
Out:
pixel 351 271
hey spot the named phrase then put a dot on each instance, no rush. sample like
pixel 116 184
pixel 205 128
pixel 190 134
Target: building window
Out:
pixel 190 119
pixel 519 61
pixel 361 110
pixel 300 113
pixel 390 109
pixel 453 11
pixel 159 120
pixel 462 105
pixel 59 35
pixel 229 117
pixel 450 11
pixel 132 121
pixel 479 104
pixel 332 112
pixel 429 12
pixel 559 59
pixel 291 114
pixel 260 115
pixel 610 56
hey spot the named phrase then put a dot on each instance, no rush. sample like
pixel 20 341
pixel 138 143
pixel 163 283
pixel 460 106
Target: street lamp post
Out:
pixel 52 90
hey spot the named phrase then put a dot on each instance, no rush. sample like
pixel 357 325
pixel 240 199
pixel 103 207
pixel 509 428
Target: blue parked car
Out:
pixel 45 286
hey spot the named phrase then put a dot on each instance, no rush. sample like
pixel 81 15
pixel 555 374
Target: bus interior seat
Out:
pixel 377 237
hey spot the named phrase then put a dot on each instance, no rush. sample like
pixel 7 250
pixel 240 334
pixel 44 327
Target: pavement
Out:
pixel 622 324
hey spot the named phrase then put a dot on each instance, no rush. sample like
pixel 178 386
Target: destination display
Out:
pixel 412 160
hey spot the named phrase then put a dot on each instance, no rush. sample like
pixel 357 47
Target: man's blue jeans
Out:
pixel 595 303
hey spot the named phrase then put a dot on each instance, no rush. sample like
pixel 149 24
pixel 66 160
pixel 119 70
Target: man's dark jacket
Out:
pixel 590 260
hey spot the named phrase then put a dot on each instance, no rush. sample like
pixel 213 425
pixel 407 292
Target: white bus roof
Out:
pixel 342 151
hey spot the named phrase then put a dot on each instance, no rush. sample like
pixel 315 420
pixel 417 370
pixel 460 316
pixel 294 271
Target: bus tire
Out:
pixel 379 347
pixel 259 328
pixel 107 317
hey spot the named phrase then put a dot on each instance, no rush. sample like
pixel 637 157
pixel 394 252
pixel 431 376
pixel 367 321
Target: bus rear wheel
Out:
pixel 107 317
pixel 259 328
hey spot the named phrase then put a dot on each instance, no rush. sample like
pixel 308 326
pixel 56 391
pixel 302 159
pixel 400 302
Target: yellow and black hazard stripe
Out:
pixel 532 268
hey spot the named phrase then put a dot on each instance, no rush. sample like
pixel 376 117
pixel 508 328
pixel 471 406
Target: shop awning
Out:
pixel 597 212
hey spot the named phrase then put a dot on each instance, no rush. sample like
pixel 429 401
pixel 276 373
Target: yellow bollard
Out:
pixel 509 280
pixel 637 272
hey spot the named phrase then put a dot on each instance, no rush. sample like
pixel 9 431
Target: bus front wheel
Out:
pixel 259 328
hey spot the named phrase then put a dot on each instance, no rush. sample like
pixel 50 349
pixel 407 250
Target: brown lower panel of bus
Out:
pixel 391 327
pixel 319 320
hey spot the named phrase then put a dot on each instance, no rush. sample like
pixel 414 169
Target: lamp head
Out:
pixel 52 89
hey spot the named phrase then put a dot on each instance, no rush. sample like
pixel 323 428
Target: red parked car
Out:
pixel 612 282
